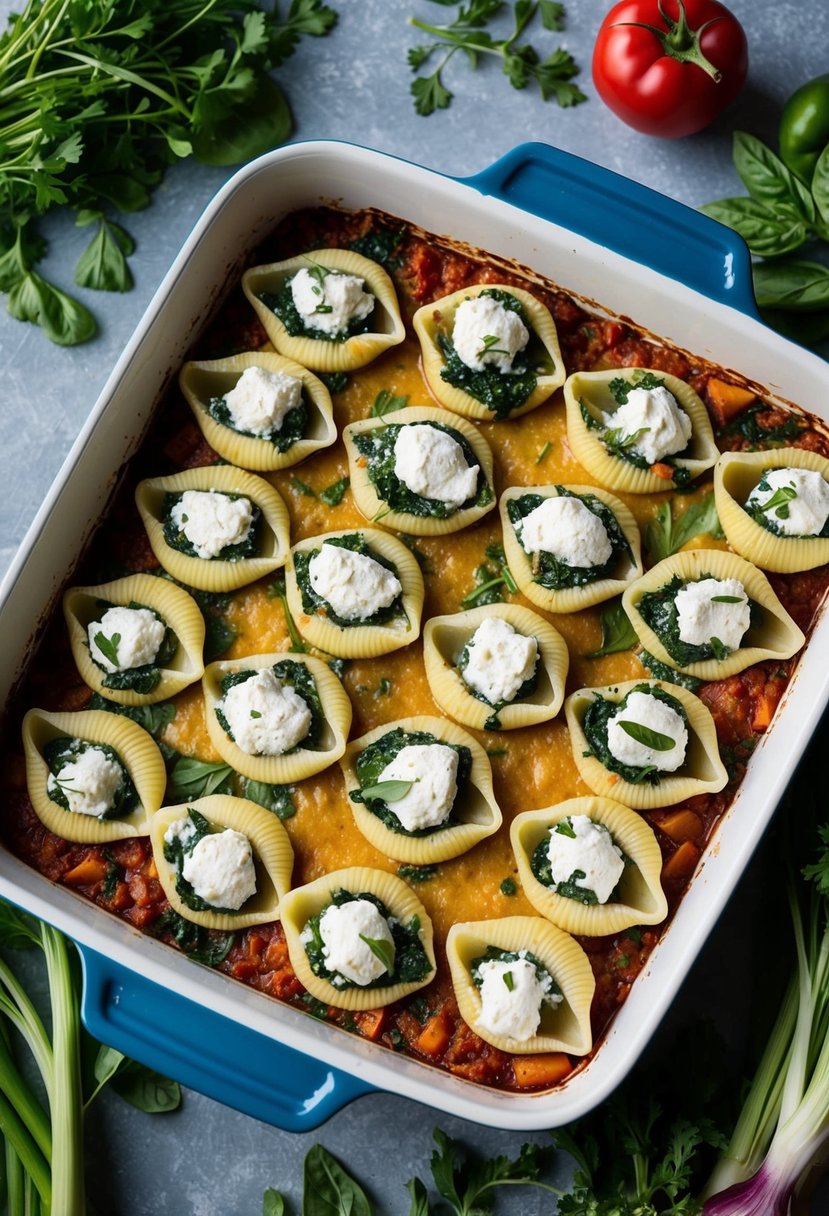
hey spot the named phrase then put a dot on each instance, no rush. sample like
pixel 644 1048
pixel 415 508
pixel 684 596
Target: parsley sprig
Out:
pixel 521 62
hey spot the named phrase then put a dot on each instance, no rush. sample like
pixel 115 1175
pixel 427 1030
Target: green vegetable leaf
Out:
pixel 791 284
pixel 767 231
pixel 420 1199
pixel 464 1182
pixel 382 950
pixel 386 403
pixel 261 123
pixel 108 646
pixel 617 632
pixel 388 791
pixel 107 1063
pixel 430 94
pixel 820 189
pixel 275 798
pixel 63 320
pixel 333 495
pixel 653 739
pixel 273 1203
pixel 153 718
pixel 298 486
pixel 18 930
pixel 192 779
pixel 329 1190
pixel 146 1089
pixel 666 535
pixel 767 179
pixel 103 266
pixel 552 14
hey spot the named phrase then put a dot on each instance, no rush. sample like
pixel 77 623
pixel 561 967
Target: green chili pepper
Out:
pixel 804 127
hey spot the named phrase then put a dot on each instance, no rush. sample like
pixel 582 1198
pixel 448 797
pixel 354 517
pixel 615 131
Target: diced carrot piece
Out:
pixel 727 400
pixel 91 869
pixel 370 1023
pixel 663 470
pixel 534 1071
pixel 681 863
pixel 151 869
pixel 681 825
pixel 766 705
pixel 434 1037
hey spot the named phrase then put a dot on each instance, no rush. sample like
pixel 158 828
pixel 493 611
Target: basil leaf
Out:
pixel 820 187
pixel 767 231
pixel 653 739
pixel 388 791
pixel 666 535
pixel 617 632
pixel 766 177
pixel 791 285
pixel 248 130
pixel 386 403
pixel 108 646
pixel 272 1203
pixel 102 265
pixel 328 1190
pixel 191 779
pixel 380 949
pixel 146 1089
pixel 63 320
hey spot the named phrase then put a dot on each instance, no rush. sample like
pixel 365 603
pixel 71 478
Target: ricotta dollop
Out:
pixel 220 869
pixel 212 520
pixel 433 770
pixel 354 584
pixel 266 717
pixel 665 426
pixel 134 634
pixel 260 400
pixel 512 1007
pixel 89 783
pixel 705 611
pixel 803 514
pixel 330 301
pixel 569 530
pixel 342 929
pixel 643 709
pixel 499 660
pixel 486 333
pixel 432 464
pixel 589 849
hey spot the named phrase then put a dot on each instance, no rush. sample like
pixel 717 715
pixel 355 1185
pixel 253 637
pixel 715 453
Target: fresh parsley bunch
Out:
pixel 97 97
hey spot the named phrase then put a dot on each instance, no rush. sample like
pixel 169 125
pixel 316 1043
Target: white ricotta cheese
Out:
pixel 330 301
pixel 180 829
pixel 484 332
pixel 343 929
pixel 591 850
pixel 646 710
pixel 512 1007
pixel 433 769
pixel 220 869
pixel 354 584
pixel 665 426
pixel 89 783
pixel 702 614
pixel 260 400
pixel 431 463
pixel 569 530
pixel 135 635
pixel 212 520
pixel 266 717
pixel 500 660
pixel 807 511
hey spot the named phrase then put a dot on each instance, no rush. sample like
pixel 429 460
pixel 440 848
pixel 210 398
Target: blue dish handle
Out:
pixel 207 1052
pixel 623 215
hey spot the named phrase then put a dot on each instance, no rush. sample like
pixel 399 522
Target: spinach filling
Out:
pixel 281 303
pixel 176 538
pixel 595 724
pixel 493 954
pixel 777 508
pixel 658 609
pixel 548 570
pixel 65 750
pixel 374 758
pixel 313 603
pixel 177 850
pixel 143 679
pixel 525 690
pixel 298 677
pixel 292 428
pixel 411 963
pixel 377 446
pixel 623 446
pixel 571 888
pixel 501 392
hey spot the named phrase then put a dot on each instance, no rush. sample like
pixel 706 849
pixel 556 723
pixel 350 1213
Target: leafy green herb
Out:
pixel 388 791
pixel 668 675
pixel 272 1203
pixel 154 718
pixel 381 949
pixel 465 1181
pixel 726 599
pixel 779 501
pixel 621 387
pixel 276 798
pixel 329 1189
pixel 617 632
pixel 747 425
pixel 298 486
pixel 192 779
pixel 508 886
pixel 386 403
pixel 490 579
pixel 332 495
pixel 335 382
pixel 277 590
pixel 383 688
pixel 543 454
pixel 654 739
pixel 207 946
pixel 509 981
pixel 667 534
pixel 417 874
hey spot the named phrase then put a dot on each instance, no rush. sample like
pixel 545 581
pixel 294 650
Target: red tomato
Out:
pixel 666 67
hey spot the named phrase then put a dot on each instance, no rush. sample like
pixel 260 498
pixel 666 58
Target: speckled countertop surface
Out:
pixel 207 1160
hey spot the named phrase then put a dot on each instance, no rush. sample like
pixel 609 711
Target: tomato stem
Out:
pixel 679 41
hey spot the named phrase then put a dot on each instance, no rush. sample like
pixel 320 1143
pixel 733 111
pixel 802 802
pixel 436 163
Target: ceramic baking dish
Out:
pixel 596 234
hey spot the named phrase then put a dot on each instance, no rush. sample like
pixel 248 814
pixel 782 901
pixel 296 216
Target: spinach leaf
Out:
pixel 386 403
pixel 791 285
pixel 146 1089
pixel 192 779
pixel 617 632
pixel 273 1203
pixel 666 534
pixel 328 1190
pixel 103 264
pixel 153 718
pixel 275 798
pixel 333 495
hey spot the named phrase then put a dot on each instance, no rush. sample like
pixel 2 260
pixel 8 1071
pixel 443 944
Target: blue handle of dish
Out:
pixel 619 214
pixel 207 1052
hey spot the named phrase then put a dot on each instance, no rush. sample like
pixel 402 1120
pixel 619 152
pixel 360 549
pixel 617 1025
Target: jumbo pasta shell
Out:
pixel 444 638
pixel 360 641
pixel 204 380
pixel 216 575
pixel 775 637
pixel 299 905
pixel 477 810
pixel 377 510
pixel 565 1028
pixel 319 354
pixel 136 750
pixel 735 476
pixel 641 900
pixel 591 390
pixel 571 599
pixel 305 761
pixel 437 317
pixel 702 773
pixel 272 854
pixel 81 606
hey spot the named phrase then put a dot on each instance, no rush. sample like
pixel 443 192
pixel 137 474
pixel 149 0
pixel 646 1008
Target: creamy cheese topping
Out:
pixel 266 717
pixel 665 426
pixel 134 634
pixel 499 660
pixel 704 611
pixel 805 512
pixel 512 1007
pixel 354 584
pixel 433 770
pixel 342 929
pixel 212 520
pixel 220 869
pixel 431 463
pixel 330 301
pixel 89 783
pixel 260 400
pixel 485 332
pixel 591 850
pixel 180 829
pixel 643 709
pixel 569 530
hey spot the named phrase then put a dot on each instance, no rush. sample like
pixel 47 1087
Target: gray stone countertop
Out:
pixel 353 85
